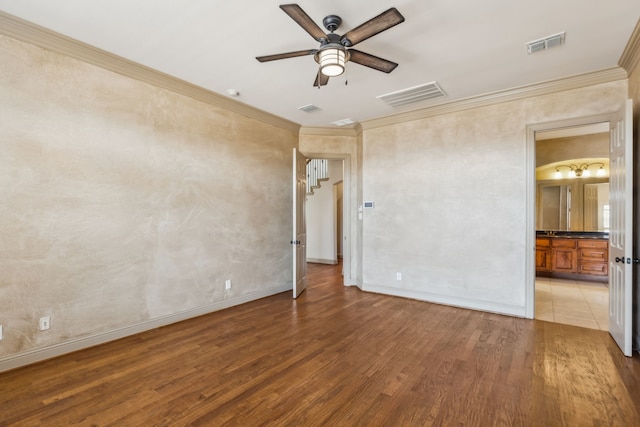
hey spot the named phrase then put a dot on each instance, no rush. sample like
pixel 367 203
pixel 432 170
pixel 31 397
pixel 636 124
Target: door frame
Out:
pixel 530 233
pixel 346 209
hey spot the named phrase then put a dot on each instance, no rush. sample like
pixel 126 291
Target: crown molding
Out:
pixel 19 29
pixel 324 131
pixel 537 89
pixel 28 32
pixel 631 55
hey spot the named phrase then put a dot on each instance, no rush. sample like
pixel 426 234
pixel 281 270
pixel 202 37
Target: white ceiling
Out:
pixel 469 47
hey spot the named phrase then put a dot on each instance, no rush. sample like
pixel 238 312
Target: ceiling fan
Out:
pixel 335 50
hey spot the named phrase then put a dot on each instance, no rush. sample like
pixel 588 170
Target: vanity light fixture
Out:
pixel 581 171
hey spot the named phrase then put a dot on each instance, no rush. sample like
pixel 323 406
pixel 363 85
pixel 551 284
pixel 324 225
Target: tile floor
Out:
pixel 573 302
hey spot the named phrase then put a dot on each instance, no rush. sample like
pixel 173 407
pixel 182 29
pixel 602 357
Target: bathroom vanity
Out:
pixel 573 255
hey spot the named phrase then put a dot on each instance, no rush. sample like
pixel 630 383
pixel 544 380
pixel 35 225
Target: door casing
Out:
pixel 346 209
pixel 530 238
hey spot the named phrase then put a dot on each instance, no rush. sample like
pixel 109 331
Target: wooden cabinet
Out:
pixel 572 257
pixel 563 256
pixel 593 257
pixel 543 254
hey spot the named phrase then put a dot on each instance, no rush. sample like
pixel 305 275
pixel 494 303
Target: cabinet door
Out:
pixel 564 260
pixel 543 259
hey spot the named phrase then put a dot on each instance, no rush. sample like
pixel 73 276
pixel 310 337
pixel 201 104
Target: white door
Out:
pixel 299 241
pixel 620 236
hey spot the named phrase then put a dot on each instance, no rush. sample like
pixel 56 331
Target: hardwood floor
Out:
pixel 335 356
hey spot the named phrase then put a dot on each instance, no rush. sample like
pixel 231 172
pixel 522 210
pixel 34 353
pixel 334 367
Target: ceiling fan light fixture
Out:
pixel 332 60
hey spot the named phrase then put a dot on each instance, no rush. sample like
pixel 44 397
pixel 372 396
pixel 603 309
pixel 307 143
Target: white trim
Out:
pixel 631 56
pixel 457 301
pixel 324 131
pixel 322 261
pixel 355 283
pixel 530 220
pixel 38 354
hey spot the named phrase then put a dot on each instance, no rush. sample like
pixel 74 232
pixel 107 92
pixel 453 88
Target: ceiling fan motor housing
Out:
pixel 332 22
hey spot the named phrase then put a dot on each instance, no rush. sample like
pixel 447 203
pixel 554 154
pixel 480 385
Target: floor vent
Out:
pixel 546 43
pixel 413 94
pixel 309 108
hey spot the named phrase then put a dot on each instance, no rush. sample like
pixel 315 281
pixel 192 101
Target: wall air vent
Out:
pixel 309 108
pixel 546 43
pixel 413 94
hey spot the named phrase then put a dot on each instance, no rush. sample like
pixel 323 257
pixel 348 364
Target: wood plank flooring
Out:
pixel 340 357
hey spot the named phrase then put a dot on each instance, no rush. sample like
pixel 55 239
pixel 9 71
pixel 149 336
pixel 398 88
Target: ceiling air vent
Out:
pixel 343 122
pixel 413 94
pixel 546 43
pixel 309 108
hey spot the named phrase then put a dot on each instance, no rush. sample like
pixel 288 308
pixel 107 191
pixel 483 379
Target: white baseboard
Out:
pixel 354 282
pixel 471 304
pixel 322 261
pixel 39 354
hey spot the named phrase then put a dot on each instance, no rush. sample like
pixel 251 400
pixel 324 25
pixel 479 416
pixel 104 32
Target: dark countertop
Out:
pixel 573 234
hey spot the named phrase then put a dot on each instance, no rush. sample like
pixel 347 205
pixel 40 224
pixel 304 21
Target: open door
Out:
pixel 299 241
pixel 620 236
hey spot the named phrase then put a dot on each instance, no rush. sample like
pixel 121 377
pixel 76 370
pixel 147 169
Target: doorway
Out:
pixel 329 240
pixel 567 287
pixel 572 208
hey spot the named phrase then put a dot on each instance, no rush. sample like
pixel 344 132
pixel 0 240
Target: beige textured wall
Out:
pixel 121 202
pixel 450 194
pixel 563 149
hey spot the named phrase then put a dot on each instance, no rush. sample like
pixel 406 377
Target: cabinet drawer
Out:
pixel 563 243
pixel 594 268
pixel 592 243
pixel 593 254
pixel 545 242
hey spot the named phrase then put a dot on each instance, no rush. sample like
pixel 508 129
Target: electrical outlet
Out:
pixel 45 323
pixel 398 276
pixel 227 284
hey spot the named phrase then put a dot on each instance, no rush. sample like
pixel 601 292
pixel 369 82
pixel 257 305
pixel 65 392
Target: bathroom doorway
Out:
pixel 572 225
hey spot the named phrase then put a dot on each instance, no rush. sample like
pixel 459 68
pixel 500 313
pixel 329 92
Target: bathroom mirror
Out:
pixel 572 205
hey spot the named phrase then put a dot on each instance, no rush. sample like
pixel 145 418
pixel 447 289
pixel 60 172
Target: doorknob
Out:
pixel 618 259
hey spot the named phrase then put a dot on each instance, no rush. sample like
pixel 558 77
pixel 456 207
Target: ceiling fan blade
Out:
pixel 371 61
pixel 380 23
pixel 300 16
pixel 321 79
pixel 286 55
